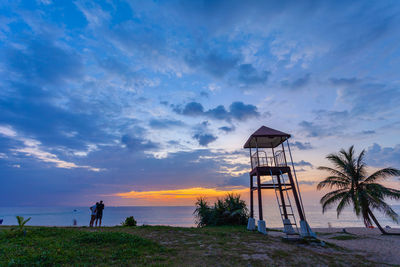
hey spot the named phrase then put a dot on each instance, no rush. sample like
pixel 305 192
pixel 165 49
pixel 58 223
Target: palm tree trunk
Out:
pixel 379 226
pixel 376 222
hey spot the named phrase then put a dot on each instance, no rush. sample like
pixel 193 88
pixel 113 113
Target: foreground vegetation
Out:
pixel 231 210
pixel 162 246
pixel 55 246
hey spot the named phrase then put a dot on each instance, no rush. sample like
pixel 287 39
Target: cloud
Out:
pixel 219 113
pixel 31 147
pixel 301 145
pixel 249 75
pixel 242 180
pixel 298 83
pixel 303 163
pixel 373 93
pixel 344 81
pixel 242 112
pixel 191 109
pixel 165 123
pixel 379 156
pixel 204 94
pixel 237 110
pixel 368 132
pixel 314 130
pixel 212 62
pixel 307 182
pixel 204 138
pixel 138 144
pixel 41 61
pixel 227 129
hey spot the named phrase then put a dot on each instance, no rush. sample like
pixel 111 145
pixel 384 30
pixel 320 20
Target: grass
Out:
pixel 344 237
pixel 162 246
pixel 55 246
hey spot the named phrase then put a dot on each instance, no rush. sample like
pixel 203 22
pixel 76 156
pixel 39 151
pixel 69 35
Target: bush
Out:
pixel 129 221
pixel 228 211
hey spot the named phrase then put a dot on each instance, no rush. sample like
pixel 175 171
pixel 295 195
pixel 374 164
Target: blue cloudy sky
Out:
pixel 103 98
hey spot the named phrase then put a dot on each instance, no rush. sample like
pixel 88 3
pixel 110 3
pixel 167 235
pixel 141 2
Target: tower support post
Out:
pixel 251 198
pixel 261 223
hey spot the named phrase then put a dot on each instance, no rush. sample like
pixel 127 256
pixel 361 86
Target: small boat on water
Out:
pixel 1 221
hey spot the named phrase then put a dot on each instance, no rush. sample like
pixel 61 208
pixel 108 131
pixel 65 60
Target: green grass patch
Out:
pixel 59 246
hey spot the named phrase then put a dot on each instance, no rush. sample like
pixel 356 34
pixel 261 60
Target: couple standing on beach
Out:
pixel 97 213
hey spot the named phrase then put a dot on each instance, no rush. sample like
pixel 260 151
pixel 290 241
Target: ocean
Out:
pixel 173 216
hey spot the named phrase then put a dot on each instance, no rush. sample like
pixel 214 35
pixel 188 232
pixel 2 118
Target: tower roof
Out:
pixel 266 137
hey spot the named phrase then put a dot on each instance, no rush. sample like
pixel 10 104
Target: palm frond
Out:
pixel 333 181
pixel 382 174
pixel 346 199
pixel 339 162
pixel 360 158
pixel 334 172
pixel 331 198
pixel 387 210
pixel 383 191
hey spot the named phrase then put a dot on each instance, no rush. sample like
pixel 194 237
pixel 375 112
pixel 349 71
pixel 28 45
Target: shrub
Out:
pixel 129 221
pixel 230 210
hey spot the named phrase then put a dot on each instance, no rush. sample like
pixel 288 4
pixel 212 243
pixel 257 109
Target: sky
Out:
pixel 151 102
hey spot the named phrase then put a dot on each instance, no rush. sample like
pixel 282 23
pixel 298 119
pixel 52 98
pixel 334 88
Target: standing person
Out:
pixel 93 214
pixel 99 212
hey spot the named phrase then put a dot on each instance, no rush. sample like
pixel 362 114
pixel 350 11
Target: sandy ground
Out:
pixel 369 242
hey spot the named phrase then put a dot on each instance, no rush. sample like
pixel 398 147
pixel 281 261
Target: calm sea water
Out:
pixel 174 216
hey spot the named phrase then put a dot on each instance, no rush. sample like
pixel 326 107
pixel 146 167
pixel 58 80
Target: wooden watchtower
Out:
pixel 269 157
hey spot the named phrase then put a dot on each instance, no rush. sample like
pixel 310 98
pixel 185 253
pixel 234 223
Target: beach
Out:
pixel 367 242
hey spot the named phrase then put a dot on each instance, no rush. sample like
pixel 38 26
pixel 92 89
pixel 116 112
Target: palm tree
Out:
pixel 354 187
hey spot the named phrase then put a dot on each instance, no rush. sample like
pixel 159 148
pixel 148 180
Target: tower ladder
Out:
pixel 288 204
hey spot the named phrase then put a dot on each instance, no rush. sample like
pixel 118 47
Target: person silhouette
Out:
pixel 99 212
pixel 93 214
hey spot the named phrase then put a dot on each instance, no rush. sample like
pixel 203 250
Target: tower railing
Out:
pixel 262 160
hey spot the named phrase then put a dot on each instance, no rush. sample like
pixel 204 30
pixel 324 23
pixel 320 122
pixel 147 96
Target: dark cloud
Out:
pixel 164 103
pixel 43 62
pixel 164 123
pixel 379 156
pixel 137 144
pixel 219 113
pixel 242 112
pixel 212 62
pixel 374 94
pixel 301 145
pixel 302 163
pixel 314 130
pixel 344 81
pixel 148 40
pixel 333 116
pixel 307 182
pixel 368 132
pixel 242 180
pixel 227 129
pixel 204 138
pixel 249 75
pixel 192 109
pixel 237 110
pixel 298 83
pixel 204 94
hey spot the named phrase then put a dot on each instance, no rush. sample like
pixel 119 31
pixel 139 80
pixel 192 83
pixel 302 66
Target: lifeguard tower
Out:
pixel 268 157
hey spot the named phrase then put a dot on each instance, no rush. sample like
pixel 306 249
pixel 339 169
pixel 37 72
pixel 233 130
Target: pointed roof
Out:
pixel 266 137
